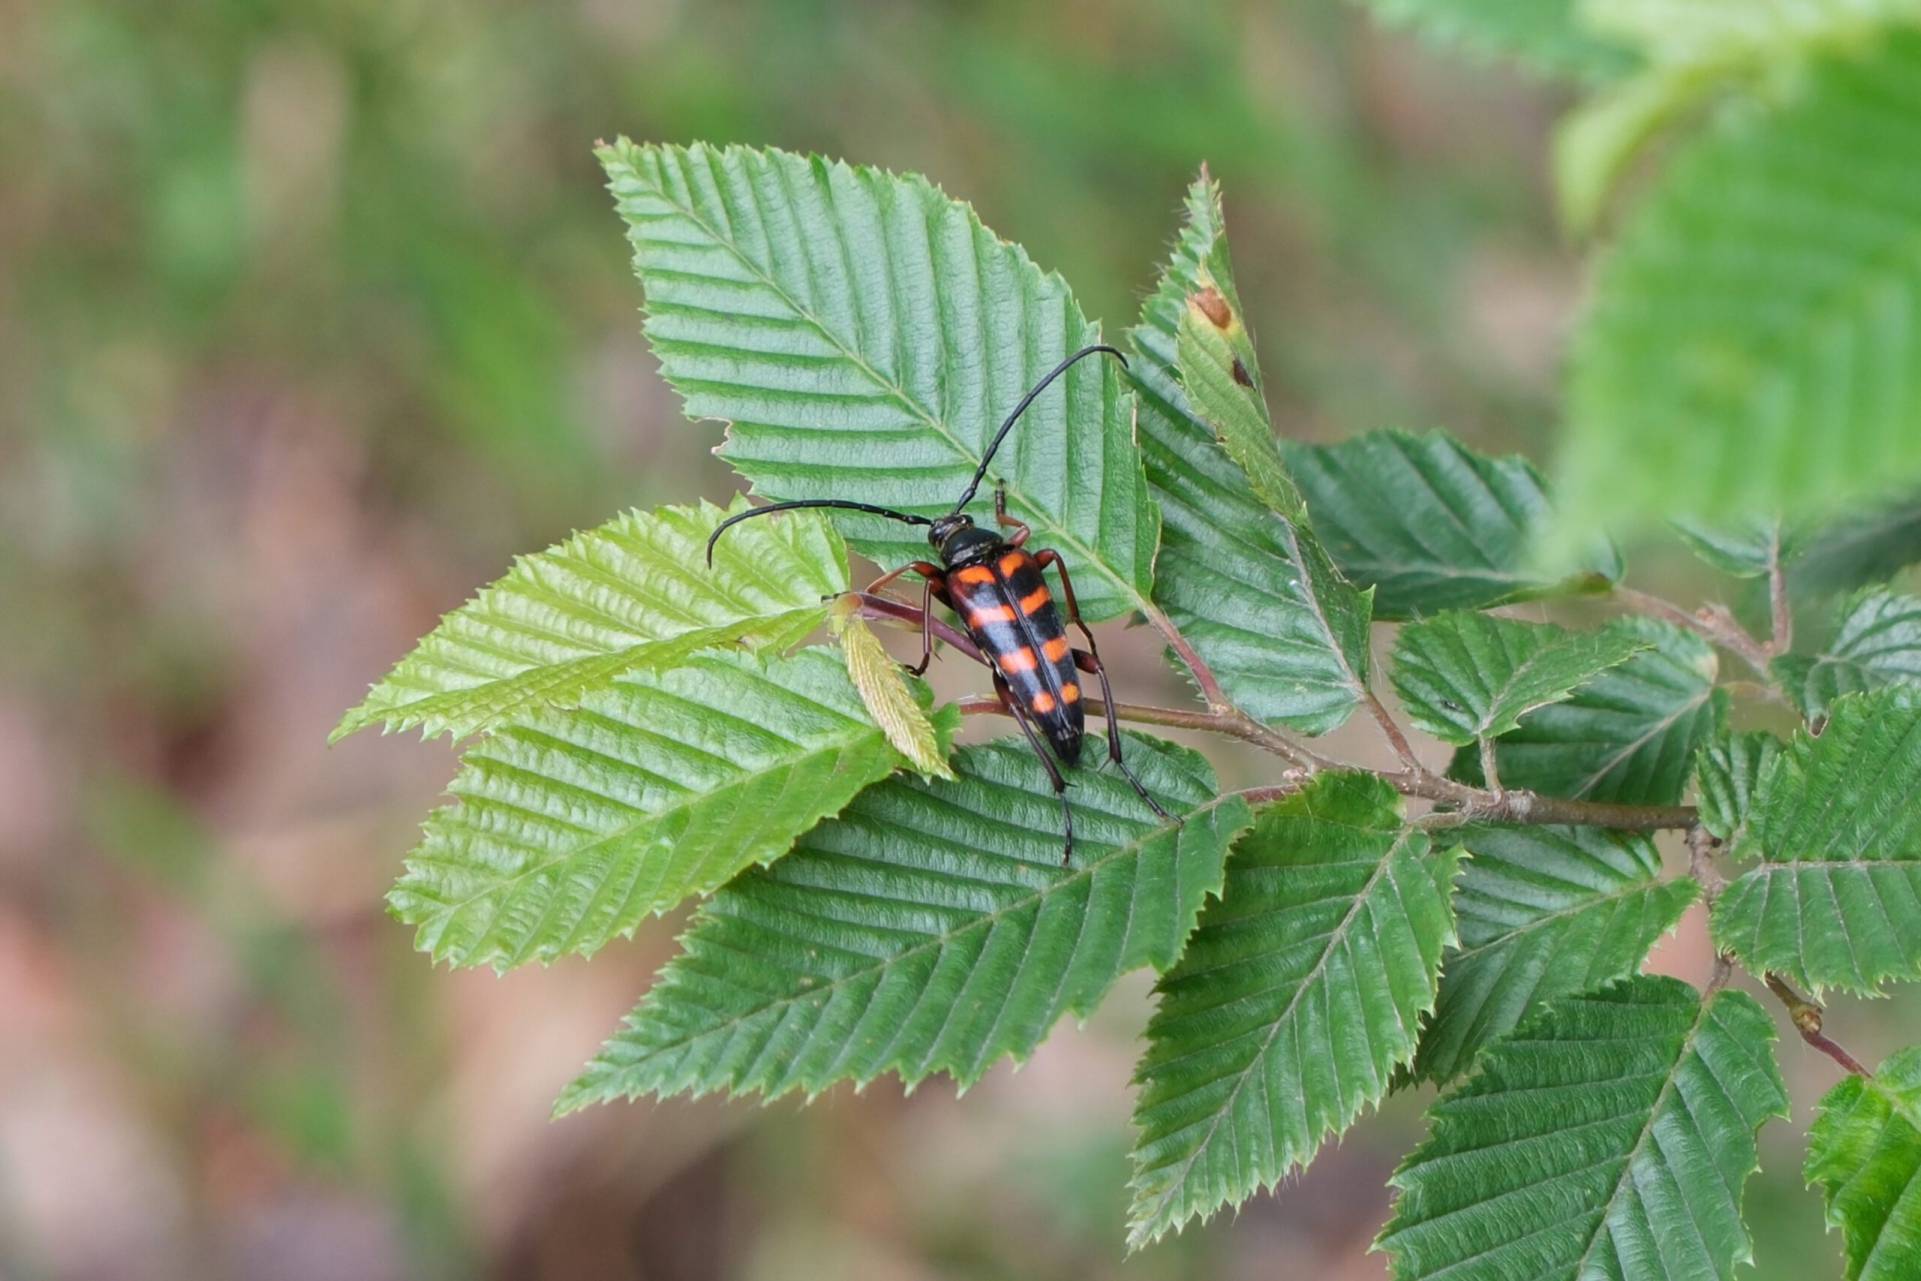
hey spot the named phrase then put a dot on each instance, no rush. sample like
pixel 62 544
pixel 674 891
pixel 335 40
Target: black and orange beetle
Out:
pixel 995 587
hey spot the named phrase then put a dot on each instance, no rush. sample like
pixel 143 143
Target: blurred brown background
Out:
pixel 312 315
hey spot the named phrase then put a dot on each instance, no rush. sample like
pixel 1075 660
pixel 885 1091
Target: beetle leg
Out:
pixel 1054 776
pixel 921 567
pixel 1089 661
pixel 1001 518
pixel 934 583
pixel 926 622
pixel 1091 664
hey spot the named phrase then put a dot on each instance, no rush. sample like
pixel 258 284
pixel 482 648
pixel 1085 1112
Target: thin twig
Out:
pixel 1471 804
pixel 1806 1017
pixel 1712 622
pixel 882 608
pixel 1781 636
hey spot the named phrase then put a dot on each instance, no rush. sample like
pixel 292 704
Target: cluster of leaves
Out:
pixel 643 729
pixel 1752 326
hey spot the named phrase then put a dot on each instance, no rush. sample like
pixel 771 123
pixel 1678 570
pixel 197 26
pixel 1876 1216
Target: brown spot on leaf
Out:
pixel 1209 302
pixel 1240 373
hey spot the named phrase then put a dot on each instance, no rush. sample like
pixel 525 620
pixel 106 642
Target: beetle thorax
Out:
pixel 959 541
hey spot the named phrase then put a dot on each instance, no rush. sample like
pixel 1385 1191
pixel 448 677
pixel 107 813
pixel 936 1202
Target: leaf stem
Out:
pixel 1210 685
pixel 1470 804
pixel 1781 622
pixel 1806 1017
pixel 1712 622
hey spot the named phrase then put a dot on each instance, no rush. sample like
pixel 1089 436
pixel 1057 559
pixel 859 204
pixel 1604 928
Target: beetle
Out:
pixel 997 588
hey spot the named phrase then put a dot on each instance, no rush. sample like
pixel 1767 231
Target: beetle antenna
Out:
pixel 1033 394
pixel 846 504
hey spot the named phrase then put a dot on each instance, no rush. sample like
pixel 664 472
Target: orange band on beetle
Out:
pixel 1012 562
pixel 1019 660
pixel 1071 692
pixel 1055 649
pixel 987 614
pixel 1033 600
pixel 974 574
pixel 1043 702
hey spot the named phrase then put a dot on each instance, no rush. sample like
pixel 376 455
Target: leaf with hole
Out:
pixel 1297 998
pixel 1288 646
pixel 1542 912
pixel 930 928
pixel 1835 901
pixel 863 335
pixel 570 828
pixel 1465 676
pixel 1607 1136
pixel 1431 525
pixel 636 593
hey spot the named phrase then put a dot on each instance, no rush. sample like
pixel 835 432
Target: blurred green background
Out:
pixel 312 315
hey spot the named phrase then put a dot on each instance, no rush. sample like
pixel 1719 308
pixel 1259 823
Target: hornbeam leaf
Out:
pixel 1836 898
pixel 1222 379
pixel 1861 548
pixel 1299 995
pixel 572 827
pixel 897 706
pixel 1607 1136
pixel 1465 676
pixel 1727 774
pixel 1753 328
pixel 1877 642
pixel 1628 735
pixel 1745 548
pixel 1253 592
pixel 864 335
pixel 1864 1149
pixel 1432 525
pixel 1543 912
pixel 635 593
pixel 931 928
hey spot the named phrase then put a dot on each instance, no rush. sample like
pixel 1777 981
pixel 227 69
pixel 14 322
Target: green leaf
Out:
pixel 864 335
pixel 1865 547
pixel 1877 642
pixel 1752 332
pixel 1297 998
pixel 1544 35
pixel 1543 912
pixel 634 594
pixel 1465 676
pixel 895 700
pixel 1288 647
pixel 1432 525
pixel 1727 774
pixel 1836 898
pixel 1744 548
pixel 1608 1136
pixel 1222 380
pixel 1628 735
pixel 1864 1149
pixel 571 827
pixel 931 928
